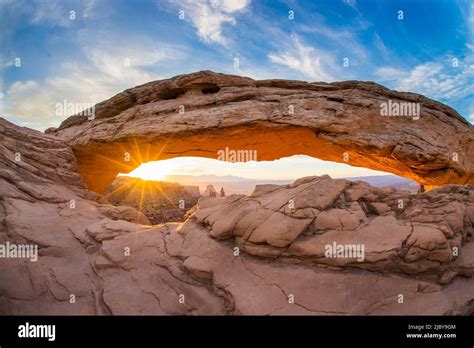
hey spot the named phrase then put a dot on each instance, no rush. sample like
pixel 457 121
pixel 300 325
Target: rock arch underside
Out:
pixel 416 245
pixel 328 120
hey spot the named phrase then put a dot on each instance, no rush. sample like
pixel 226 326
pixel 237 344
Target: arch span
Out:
pixel 202 113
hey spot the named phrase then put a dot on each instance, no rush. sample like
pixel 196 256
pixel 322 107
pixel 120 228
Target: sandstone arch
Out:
pixel 220 111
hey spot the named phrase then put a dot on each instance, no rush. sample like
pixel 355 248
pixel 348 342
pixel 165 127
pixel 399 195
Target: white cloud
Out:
pixel 57 12
pixel 25 98
pixel 471 16
pixel 438 81
pixel 470 115
pixel 351 3
pixel 101 75
pixel 51 12
pixel 380 45
pixel 304 60
pixel 210 16
pixel 389 74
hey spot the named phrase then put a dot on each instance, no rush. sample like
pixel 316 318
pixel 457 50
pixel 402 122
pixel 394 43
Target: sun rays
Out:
pixel 139 164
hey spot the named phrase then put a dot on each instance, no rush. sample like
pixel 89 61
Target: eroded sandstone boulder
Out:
pixel 296 223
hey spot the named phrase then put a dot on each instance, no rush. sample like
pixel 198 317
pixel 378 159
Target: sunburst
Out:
pixel 152 169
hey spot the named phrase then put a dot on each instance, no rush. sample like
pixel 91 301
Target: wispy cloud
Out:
pixel 471 17
pixel 304 59
pixel 440 79
pixel 107 70
pixel 351 3
pixel 210 16
pixel 78 63
pixel 437 79
pixel 58 12
pixel 471 113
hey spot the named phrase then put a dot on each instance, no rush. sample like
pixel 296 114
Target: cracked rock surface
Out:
pixel 233 255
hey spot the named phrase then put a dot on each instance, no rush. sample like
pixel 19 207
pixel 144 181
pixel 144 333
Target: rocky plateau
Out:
pixel 261 254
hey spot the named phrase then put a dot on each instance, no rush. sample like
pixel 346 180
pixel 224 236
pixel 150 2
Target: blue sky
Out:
pixel 82 60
